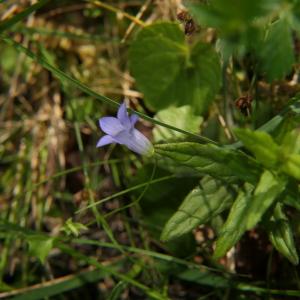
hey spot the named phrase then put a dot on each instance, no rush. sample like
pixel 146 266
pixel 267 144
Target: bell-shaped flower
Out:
pixel 121 130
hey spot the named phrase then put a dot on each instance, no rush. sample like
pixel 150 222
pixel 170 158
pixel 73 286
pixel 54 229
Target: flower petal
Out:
pixel 123 116
pixel 133 119
pixel 111 125
pixel 105 140
pixel 135 141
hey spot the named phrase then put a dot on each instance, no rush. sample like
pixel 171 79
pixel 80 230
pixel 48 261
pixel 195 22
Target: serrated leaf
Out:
pixel 234 226
pixel 261 144
pixel 200 205
pixel 40 246
pixel 182 117
pixel 281 236
pixel 168 72
pixel 266 192
pixel 276 52
pixel 213 160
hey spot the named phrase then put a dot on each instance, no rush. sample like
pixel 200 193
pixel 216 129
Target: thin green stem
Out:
pixel 136 187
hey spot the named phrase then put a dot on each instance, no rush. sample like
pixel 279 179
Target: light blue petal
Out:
pixel 123 116
pixel 133 119
pixel 135 141
pixel 111 126
pixel 105 140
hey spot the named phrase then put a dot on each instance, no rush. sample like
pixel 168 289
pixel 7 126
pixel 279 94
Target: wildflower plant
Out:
pixel 224 101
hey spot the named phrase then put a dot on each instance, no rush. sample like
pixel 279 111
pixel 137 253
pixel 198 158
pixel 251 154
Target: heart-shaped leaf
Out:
pixel 169 72
pixel 40 246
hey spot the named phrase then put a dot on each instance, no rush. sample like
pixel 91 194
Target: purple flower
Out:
pixel 121 130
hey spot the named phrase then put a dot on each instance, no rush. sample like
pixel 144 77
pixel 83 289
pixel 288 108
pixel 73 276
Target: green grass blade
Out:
pixel 153 294
pixel 216 281
pixel 125 191
pixel 98 215
pixel 57 286
pixel 144 252
pixel 75 169
pixel 7 24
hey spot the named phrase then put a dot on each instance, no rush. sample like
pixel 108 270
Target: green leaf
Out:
pixel 156 57
pixel 291 165
pixel 234 226
pixel 272 155
pixel 73 228
pixel 175 189
pixel 290 154
pixel 261 144
pixel 234 21
pixel 281 236
pixel 181 117
pixel 289 123
pixel 230 15
pixel 291 142
pixel 213 160
pixel 247 210
pixel 292 198
pixel 199 206
pixel 276 53
pixel 40 246
pixel 168 72
pixel 294 16
pixel 266 192
pixel 276 124
pixel 205 278
pixel 292 201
